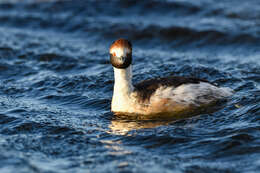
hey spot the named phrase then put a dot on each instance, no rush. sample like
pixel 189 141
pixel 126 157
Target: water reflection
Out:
pixel 123 124
pixel 122 127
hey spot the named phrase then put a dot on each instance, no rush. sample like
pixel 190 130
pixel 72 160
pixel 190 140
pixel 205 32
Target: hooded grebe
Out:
pixel 168 96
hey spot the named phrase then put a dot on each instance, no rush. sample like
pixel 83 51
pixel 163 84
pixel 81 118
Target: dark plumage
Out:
pixel 146 88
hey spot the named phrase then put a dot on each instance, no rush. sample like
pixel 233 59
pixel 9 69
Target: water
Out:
pixel 56 85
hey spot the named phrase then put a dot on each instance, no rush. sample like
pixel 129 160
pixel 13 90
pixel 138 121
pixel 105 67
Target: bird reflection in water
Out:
pixel 122 124
pixel 122 127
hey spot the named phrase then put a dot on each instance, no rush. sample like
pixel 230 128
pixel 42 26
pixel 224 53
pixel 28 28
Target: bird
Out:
pixel 163 97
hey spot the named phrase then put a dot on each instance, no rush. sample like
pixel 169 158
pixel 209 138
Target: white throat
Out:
pixel 122 89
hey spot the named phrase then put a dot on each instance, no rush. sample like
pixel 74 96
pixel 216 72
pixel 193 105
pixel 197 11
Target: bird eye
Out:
pixel 114 54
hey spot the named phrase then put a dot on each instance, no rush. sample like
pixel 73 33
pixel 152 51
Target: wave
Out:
pixel 112 23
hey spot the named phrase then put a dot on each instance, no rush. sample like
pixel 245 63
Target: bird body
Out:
pixel 160 97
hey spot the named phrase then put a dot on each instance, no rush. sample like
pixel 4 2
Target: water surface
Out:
pixel 56 85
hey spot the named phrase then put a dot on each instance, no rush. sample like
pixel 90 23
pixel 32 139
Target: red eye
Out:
pixel 114 54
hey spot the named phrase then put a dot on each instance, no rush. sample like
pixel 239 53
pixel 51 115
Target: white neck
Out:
pixel 122 89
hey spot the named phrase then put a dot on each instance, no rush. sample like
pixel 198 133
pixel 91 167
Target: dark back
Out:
pixel 146 88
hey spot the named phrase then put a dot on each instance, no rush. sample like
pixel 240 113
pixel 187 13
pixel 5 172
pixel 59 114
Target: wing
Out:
pixel 146 88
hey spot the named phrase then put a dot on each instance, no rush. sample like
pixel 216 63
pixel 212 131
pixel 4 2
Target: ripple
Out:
pixel 56 85
pixel 6 119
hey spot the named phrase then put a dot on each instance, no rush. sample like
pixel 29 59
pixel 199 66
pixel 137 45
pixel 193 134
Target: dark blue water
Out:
pixel 56 85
